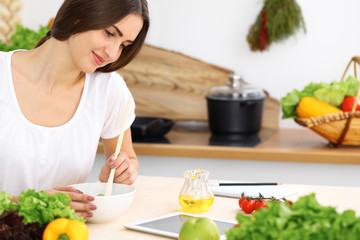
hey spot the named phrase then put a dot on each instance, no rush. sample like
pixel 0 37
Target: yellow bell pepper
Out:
pixel 313 107
pixel 51 22
pixel 63 228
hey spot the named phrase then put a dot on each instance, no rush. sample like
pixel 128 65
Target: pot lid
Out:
pixel 236 89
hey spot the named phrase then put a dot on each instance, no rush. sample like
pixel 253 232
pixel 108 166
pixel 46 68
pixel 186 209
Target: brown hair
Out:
pixel 76 16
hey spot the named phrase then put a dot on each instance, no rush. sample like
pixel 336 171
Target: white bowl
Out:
pixel 109 208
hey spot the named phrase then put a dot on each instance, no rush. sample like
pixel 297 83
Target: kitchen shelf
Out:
pixel 290 145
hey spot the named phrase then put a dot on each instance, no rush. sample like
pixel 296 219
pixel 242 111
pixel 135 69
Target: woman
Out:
pixel 58 99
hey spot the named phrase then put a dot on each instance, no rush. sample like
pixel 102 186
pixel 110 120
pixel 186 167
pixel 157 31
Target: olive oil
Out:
pixel 195 203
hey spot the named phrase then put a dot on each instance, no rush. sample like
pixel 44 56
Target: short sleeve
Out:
pixel 118 96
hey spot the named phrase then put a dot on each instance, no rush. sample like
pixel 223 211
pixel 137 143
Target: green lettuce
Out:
pixel 306 219
pixel 39 207
pixel 353 85
pixel 332 93
pixel 24 38
pixel 5 202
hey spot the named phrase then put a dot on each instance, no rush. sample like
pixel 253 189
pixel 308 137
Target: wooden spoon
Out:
pixel 109 185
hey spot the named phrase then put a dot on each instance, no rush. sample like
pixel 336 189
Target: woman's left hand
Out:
pixel 125 171
pixel 80 202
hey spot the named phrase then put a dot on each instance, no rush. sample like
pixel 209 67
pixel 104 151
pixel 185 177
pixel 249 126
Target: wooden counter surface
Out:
pixel 157 196
pixel 291 145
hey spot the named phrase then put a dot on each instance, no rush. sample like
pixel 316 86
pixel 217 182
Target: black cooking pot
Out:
pixel 235 108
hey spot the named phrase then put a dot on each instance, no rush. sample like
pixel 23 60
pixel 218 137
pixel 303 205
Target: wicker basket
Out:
pixel 339 128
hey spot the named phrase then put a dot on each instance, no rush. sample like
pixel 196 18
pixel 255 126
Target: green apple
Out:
pixel 199 228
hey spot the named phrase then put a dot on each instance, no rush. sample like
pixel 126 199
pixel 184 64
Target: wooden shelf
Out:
pixel 290 145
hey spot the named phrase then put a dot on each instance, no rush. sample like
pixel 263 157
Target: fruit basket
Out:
pixel 339 128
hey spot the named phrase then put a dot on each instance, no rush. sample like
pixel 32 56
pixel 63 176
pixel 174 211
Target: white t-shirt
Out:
pixel 40 158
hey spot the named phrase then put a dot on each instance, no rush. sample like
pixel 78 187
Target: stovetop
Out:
pixel 235 140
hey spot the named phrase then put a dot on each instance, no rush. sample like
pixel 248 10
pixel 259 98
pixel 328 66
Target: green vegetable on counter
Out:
pixel 39 207
pixel 5 202
pixel 28 218
pixel 306 219
pixel 332 93
pixel 24 38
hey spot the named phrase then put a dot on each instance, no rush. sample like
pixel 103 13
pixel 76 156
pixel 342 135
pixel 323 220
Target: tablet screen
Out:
pixel 170 225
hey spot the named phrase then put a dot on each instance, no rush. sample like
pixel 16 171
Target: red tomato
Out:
pixel 260 204
pixel 348 103
pixel 248 206
pixel 241 200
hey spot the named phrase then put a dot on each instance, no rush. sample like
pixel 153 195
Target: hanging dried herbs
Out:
pixel 277 20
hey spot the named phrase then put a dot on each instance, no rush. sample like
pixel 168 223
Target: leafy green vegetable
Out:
pixel 24 38
pixel 5 202
pixel 332 93
pixel 289 103
pixel 353 85
pixel 306 219
pixel 39 207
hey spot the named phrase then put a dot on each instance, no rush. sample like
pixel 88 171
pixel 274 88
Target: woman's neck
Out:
pixel 50 66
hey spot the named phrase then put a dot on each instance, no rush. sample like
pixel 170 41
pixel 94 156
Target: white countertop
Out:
pixel 156 196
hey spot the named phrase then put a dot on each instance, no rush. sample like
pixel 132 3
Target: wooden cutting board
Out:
pixel 171 85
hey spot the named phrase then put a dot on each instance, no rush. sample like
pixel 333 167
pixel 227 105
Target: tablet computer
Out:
pixel 169 225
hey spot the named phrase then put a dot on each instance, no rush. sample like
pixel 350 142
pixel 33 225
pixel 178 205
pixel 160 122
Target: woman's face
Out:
pixel 93 49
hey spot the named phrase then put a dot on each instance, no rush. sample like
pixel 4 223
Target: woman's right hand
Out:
pixel 80 202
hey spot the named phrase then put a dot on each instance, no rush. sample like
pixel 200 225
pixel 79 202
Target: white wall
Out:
pixel 215 32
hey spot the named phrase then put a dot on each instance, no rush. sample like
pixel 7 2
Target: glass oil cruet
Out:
pixel 196 194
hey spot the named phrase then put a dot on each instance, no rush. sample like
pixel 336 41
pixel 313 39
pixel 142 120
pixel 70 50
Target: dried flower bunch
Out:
pixel 8 18
pixel 277 20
